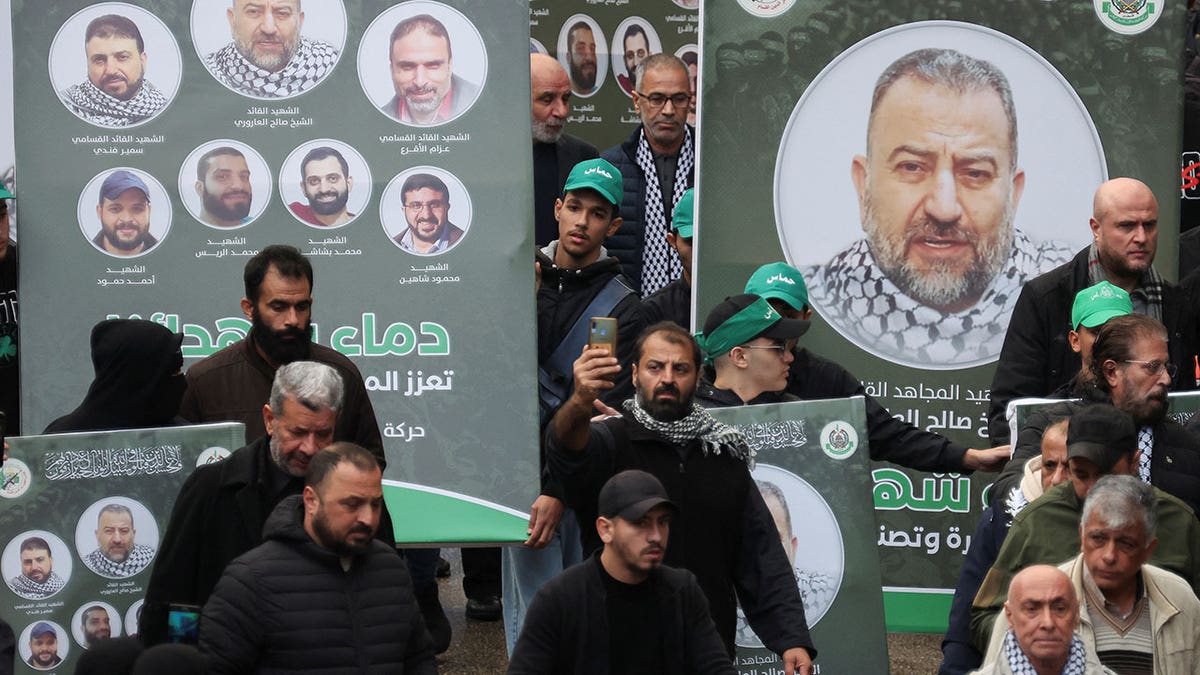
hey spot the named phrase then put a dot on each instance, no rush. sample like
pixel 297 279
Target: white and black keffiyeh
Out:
pixel 137 561
pixel 309 65
pixel 660 265
pixel 715 437
pixel 864 305
pixel 94 105
pixel 28 588
pixel 1020 665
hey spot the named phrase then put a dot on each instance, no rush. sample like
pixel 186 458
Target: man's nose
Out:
pixel 268 23
pixel 941 204
pixel 559 109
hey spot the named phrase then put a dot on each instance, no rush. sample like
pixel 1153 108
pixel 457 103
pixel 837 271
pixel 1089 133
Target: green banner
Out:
pixel 812 469
pixel 83 516
pixel 429 292
pixel 788 171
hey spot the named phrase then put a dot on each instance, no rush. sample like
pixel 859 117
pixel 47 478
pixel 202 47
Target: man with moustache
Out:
pixel 124 214
pixel 581 56
pixel 426 203
pixel 37 579
pixel 116 93
pixel 636 47
pixel 326 181
pixel 555 152
pixel 422 64
pixel 704 466
pixel 96 625
pixel 268 57
pixel 223 184
pixel 937 276
pixel 117 554
pixel 43 647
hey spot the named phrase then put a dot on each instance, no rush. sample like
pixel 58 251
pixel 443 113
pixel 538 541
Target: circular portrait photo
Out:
pixel 36 564
pixel 43 645
pixel 95 621
pixel 269 49
pixel 116 537
pixel 115 65
pixel 225 184
pixel 325 183
pixel 801 514
pixel 425 211
pixel 581 50
pixel 690 55
pixel 536 47
pixel 124 212
pixel 422 63
pixel 632 41
pixel 975 174
pixel 133 618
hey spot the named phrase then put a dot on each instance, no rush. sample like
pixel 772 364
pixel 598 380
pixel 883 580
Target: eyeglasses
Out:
pixel 435 205
pixel 1156 367
pixel 656 101
pixel 782 347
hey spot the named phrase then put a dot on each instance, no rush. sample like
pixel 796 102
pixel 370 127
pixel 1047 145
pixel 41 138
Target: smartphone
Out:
pixel 603 334
pixel 183 624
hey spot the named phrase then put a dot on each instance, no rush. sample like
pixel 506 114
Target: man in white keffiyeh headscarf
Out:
pixel 116 93
pixel 268 57
pixel 935 280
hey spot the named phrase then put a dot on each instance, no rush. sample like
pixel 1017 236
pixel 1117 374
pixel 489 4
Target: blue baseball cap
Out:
pixel 118 182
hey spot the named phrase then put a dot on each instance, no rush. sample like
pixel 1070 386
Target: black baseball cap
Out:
pixel 1102 434
pixel 631 494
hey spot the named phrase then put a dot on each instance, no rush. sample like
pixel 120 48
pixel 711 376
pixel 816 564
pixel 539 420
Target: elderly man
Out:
pixel 224 187
pixel 268 57
pixel 658 164
pixel 422 64
pixel 555 152
pixel 581 54
pixel 353 611
pixel 622 611
pixel 124 214
pixel 117 554
pixel 116 93
pixel 221 508
pixel 1043 612
pixel 1101 440
pixel 750 346
pixel 426 205
pixel 937 190
pixel 326 181
pixel 734 545
pixel 1037 357
pixel 37 580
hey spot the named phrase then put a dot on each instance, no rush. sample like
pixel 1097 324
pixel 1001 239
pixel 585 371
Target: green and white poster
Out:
pixel 919 163
pixel 388 141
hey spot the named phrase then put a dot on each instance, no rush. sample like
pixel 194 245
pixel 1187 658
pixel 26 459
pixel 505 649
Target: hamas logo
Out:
pixel 14 479
pixel 839 440
pixel 212 455
pixel 766 7
pixel 1128 17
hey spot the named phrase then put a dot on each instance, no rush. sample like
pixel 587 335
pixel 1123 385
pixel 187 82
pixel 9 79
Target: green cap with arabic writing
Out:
pixel 779 280
pixel 683 217
pixel 599 175
pixel 1097 304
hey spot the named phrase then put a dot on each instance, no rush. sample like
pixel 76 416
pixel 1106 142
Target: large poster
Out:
pixel 600 43
pixel 917 210
pixel 813 472
pixel 83 516
pixel 164 143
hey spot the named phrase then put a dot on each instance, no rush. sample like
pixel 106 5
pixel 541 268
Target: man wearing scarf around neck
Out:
pixel 116 93
pixel 724 533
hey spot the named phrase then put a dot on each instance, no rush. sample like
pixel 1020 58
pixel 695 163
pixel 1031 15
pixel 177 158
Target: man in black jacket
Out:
pixel 657 162
pixel 1036 358
pixel 623 596
pixel 320 572
pixel 724 534
pixel 555 152
pixel 673 302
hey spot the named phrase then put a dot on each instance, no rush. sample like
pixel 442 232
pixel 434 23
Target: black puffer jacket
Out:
pixel 288 607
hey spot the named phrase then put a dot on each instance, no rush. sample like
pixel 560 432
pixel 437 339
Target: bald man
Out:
pixel 1037 357
pixel 554 151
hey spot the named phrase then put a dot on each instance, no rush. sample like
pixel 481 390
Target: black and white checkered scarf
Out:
pixel 312 61
pixel 135 562
pixel 1020 665
pixel 715 437
pixel 660 264
pixel 28 588
pixel 94 105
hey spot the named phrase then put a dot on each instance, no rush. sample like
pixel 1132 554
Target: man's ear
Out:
pixel 613 227
pixel 858 175
pixel 604 528
pixel 248 309
pixel 268 419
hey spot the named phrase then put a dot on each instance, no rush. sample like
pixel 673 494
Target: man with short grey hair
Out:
pixel 222 507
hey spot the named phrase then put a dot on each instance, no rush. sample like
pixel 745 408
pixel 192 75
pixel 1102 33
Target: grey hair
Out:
pixel 1119 501
pixel 955 71
pixel 315 386
pixel 653 61
pixel 769 489
pixel 115 508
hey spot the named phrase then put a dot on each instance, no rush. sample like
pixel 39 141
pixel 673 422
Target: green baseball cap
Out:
pixel 779 280
pixel 1096 304
pixel 681 217
pixel 5 193
pixel 599 175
